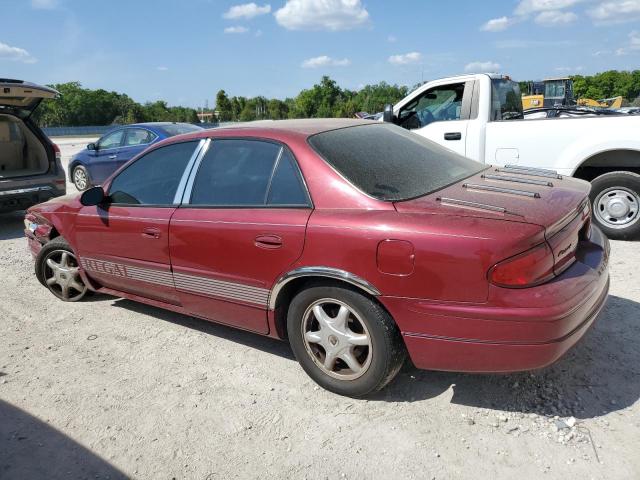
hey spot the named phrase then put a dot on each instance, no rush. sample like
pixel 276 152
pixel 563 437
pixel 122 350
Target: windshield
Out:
pixel 390 163
pixel 506 101
pixel 180 128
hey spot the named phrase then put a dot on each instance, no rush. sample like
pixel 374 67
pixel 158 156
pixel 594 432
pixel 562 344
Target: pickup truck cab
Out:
pixel 480 116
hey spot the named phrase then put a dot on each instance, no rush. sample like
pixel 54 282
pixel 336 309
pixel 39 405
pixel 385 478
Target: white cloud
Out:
pixel 496 24
pixel 552 18
pixel 526 7
pixel 247 11
pixel 325 61
pixel 405 59
pixel 632 46
pixel 236 30
pixel 44 4
pixel 322 15
pixel 162 69
pixel 482 67
pixel 17 54
pixel 392 39
pixel 616 11
pixel 579 68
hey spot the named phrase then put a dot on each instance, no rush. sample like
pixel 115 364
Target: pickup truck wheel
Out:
pixel 346 342
pixel 615 199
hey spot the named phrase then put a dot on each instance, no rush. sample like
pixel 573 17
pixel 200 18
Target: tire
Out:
pixel 57 269
pixel 81 178
pixel 615 200
pixel 374 364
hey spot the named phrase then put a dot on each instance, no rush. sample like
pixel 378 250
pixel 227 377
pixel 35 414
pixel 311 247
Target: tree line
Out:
pixel 81 106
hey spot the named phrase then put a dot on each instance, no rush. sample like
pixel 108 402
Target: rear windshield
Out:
pixel 506 101
pixel 180 128
pixel 390 163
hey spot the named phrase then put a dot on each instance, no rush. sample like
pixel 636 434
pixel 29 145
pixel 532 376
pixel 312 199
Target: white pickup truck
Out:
pixel 480 116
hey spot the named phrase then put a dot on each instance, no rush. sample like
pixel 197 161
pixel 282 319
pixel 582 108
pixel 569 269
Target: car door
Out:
pixel 104 157
pixel 136 140
pixel 123 244
pixel 241 225
pixel 441 114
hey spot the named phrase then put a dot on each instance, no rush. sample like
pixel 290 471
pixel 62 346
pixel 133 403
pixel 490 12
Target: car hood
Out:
pixel 23 97
pixel 533 196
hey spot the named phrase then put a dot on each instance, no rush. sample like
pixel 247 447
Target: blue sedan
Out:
pixel 93 165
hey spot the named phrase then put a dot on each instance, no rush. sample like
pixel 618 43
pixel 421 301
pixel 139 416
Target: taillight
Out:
pixel 57 152
pixel 527 269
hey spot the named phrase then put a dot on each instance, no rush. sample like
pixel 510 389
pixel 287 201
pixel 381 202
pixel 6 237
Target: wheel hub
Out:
pixel 336 339
pixel 617 207
pixel 63 277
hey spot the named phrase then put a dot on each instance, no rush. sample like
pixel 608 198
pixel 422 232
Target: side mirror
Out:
pixel 93 196
pixel 387 116
pixel 92 146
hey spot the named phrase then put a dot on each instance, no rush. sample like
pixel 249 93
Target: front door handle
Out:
pixel 453 136
pixel 151 232
pixel 269 242
pixel 113 157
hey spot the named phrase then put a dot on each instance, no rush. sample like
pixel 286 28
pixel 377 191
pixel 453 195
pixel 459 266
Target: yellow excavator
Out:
pixel 554 92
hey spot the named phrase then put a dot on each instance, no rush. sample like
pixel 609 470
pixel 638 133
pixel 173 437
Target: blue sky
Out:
pixel 185 51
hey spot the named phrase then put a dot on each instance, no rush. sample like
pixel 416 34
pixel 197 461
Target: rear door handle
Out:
pixel 269 242
pixel 453 136
pixel 151 232
pixel 112 157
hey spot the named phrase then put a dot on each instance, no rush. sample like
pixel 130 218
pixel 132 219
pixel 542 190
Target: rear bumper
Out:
pixel 517 329
pixel 21 198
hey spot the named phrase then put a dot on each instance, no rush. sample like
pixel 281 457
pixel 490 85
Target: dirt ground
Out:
pixel 108 388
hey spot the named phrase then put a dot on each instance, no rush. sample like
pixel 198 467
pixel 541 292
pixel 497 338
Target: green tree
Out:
pixel 223 106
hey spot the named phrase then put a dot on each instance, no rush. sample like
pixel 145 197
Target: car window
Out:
pixel 180 128
pixel 111 140
pixel 390 163
pixel 138 136
pixel 152 179
pixel 437 104
pixel 240 173
pixel 286 185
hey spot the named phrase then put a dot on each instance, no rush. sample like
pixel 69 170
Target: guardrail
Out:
pixel 99 130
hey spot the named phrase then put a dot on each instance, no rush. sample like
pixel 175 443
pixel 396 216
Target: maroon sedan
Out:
pixel 359 242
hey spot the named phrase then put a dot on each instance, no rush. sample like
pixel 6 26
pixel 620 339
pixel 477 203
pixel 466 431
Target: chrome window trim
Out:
pixel 187 171
pixel 319 271
pixel 186 195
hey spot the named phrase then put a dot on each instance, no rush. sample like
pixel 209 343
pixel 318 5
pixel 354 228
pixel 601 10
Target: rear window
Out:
pixel 506 101
pixel 390 163
pixel 180 128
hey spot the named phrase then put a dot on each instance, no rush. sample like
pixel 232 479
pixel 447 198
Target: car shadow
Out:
pixel 249 339
pixel 600 375
pixel 31 449
pixel 11 225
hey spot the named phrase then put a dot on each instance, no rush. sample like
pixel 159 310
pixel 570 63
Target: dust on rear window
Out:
pixel 390 163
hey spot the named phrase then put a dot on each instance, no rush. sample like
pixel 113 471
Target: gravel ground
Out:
pixel 108 388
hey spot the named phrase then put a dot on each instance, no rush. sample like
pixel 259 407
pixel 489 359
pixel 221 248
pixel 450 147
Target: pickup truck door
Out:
pixel 440 113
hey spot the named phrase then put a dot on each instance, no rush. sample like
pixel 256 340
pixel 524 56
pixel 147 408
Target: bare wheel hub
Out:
pixel 62 275
pixel 337 339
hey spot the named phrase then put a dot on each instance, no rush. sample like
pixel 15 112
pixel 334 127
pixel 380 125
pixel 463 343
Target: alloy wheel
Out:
pixel 80 179
pixel 62 276
pixel 337 339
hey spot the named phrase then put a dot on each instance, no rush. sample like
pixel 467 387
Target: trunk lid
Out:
pixel 542 197
pixel 23 97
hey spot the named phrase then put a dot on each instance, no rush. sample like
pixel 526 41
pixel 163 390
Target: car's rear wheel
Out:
pixel 615 198
pixel 81 178
pixel 345 341
pixel 57 268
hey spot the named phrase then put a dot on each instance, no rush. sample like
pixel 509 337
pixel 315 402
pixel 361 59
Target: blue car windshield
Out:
pixel 179 128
